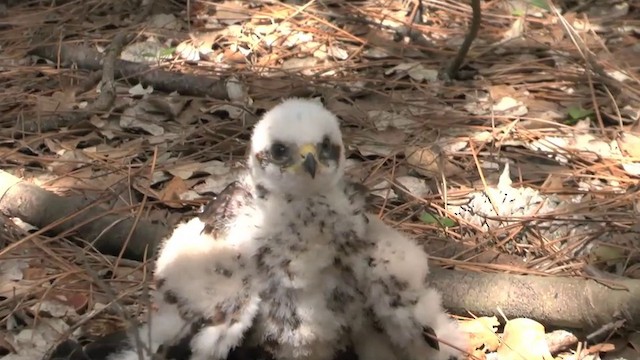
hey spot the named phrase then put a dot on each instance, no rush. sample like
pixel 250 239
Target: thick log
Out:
pixel 552 300
pixel 91 222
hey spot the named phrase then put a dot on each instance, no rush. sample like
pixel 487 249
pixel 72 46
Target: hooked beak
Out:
pixel 309 164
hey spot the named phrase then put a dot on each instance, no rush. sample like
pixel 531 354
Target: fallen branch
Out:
pixel 107 232
pixel 558 301
pixel 89 59
pixel 102 104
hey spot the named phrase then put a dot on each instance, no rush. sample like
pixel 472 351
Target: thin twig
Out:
pixel 476 17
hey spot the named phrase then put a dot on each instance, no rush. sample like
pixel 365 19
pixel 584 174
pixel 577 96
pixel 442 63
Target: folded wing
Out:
pixel 205 298
pixel 401 305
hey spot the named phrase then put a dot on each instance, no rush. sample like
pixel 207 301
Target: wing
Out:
pixel 401 304
pixel 205 296
pixel 218 213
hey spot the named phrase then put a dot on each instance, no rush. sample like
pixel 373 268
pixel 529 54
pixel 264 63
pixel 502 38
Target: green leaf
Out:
pixel 542 4
pixel 577 113
pixel 435 219
pixel 167 52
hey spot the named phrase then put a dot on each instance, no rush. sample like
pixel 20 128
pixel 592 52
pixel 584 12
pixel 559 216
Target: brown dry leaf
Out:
pixel 164 21
pixel 69 160
pixel 304 65
pixel 76 300
pixel 624 348
pixel 142 185
pixel 170 195
pixel 387 142
pixel 482 332
pixel 602 347
pixel 336 52
pixel 231 12
pixel 124 151
pixel 523 339
pixel 13 289
pixel 59 101
pixel 34 273
pixel 509 106
pixel 499 91
pixel 543 110
pixel 428 162
pixel 234 55
pixel 384 119
pixel 416 71
pixel 139 117
pixel 415 186
pixel 424 160
pixel 128 274
pixel 188 170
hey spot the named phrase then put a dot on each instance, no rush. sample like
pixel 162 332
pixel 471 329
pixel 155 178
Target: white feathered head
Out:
pixel 297 149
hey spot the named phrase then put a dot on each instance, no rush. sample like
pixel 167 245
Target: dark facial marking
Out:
pixel 328 151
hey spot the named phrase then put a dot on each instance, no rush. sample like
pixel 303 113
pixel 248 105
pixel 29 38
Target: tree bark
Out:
pixel 551 300
pixel 90 221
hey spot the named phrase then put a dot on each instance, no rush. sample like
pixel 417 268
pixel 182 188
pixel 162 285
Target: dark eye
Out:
pixel 279 151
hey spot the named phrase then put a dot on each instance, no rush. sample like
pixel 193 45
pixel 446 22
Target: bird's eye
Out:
pixel 279 151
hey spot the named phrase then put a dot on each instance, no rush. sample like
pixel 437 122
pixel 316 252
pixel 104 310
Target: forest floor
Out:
pixel 528 162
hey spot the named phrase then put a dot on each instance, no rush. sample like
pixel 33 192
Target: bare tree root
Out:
pixel 80 215
pixel 558 301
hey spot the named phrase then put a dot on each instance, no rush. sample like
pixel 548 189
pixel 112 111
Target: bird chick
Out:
pixel 286 260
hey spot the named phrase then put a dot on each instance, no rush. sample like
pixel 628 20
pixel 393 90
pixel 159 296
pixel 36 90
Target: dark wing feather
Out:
pixel 430 337
pixel 219 211
pixel 98 349
pixel 69 350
